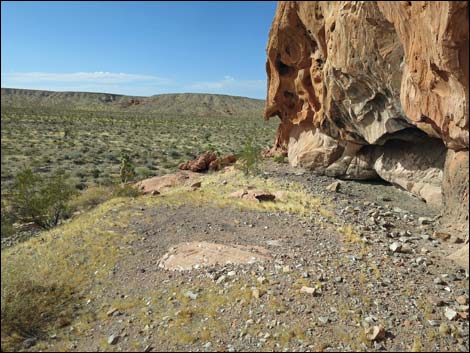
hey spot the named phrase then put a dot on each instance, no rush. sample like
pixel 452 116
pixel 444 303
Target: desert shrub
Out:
pixel 90 197
pixel 125 190
pixel 30 307
pixel 173 152
pixel 249 157
pixel 144 172
pixel 41 200
pixel 127 169
pixel 95 173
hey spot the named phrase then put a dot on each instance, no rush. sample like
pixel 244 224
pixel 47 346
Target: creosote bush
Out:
pixel 43 201
pixel 90 198
pixel 30 307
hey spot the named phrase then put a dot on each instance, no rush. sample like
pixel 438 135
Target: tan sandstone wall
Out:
pixel 374 89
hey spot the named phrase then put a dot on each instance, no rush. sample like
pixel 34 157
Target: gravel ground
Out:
pixel 372 277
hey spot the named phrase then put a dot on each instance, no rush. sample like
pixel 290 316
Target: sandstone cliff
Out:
pixel 375 89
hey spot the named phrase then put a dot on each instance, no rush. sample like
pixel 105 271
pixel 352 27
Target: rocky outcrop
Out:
pixel 434 85
pixel 157 184
pixel 221 162
pixel 208 160
pixel 374 90
pixel 200 164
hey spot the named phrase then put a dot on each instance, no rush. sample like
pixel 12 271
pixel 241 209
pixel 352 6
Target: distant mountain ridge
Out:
pixel 175 104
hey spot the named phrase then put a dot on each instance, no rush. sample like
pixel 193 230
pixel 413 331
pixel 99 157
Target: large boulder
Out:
pixel 199 164
pixel 369 90
pixel 311 149
pixel 157 184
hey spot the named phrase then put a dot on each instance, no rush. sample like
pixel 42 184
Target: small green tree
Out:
pixel 127 170
pixel 41 200
pixel 249 157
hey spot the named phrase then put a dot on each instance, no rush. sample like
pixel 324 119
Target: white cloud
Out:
pixel 88 77
pixel 229 83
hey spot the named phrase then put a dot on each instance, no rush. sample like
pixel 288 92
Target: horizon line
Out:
pixel 126 95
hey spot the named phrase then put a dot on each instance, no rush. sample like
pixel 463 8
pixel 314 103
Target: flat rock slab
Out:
pixel 253 195
pixel 193 255
pixel 159 183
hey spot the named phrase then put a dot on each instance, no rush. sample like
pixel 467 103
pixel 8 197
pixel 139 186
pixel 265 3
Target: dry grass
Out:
pixel 295 198
pixel 43 278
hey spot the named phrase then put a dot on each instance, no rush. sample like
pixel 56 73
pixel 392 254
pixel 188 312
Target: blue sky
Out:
pixel 136 48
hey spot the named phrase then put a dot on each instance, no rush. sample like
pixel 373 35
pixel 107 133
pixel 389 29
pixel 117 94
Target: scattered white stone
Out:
pixel 450 314
pixel 190 295
pixel 221 279
pixel 334 187
pixel 111 311
pixel 395 247
pixel 207 345
pixel 113 339
pixel 375 333
pixel 434 322
pixel 420 260
pixel 424 220
pixel 323 319
pixel 307 290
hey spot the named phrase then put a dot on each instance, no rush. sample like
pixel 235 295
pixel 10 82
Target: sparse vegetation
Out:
pixel 156 143
pixel 43 278
pixel 90 198
pixel 41 200
pixel 125 190
pixel 249 157
pixel 59 286
pixel 127 169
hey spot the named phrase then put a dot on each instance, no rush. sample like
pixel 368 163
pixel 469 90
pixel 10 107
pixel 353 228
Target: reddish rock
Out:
pixel 441 235
pixel 200 163
pixel 222 162
pixel 253 195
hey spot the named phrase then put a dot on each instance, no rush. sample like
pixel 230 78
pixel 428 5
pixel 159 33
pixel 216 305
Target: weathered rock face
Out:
pixel 455 190
pixel 434 87
pixel 372 89
pixel 335 65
